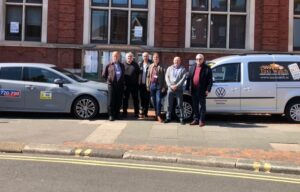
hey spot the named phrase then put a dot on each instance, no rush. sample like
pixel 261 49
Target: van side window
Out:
pixel 274 71
pixel 40 75
pixel 11 73
pixel 227 73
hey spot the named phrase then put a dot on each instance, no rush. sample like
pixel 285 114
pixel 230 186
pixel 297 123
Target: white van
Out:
pixel 263 83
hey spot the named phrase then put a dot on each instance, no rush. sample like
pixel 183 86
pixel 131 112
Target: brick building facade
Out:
pixel 172 28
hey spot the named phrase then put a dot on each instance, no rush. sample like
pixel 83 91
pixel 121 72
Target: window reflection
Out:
pixel 296 34
pixel 34 1
pixel 33 24
pixel 201 5
pixel 219 5
pixel 99 26
pixel 139 3
pixel 297 7
pixel 100 2
pixel 238 5
pixel 13 29
pixel 218 31
pixel 199 30
pixel 120 3
pixel 237 32
pixel 139 27
pixel 119 24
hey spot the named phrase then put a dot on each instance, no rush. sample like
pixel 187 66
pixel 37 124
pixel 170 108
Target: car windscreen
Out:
pixel 71 75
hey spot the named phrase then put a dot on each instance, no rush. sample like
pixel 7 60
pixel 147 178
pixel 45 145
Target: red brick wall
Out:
pixel 65 21
pixel 271 25
pixel 170 23
pixel 65 58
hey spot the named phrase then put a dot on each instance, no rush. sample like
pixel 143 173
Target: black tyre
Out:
pixel 85 107
pixel 187 109
pixel 292 111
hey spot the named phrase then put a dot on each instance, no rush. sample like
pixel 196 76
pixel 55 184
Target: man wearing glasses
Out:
pixel 201 83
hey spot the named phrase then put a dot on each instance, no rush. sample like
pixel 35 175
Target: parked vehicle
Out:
pixel 46 88
pixel 245 84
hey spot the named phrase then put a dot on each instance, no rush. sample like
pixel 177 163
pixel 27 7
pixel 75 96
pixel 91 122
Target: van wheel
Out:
pixel 187 110
pixel 85 107
pixel 292 111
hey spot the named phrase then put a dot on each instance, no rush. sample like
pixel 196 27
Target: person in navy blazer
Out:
pixel 200 85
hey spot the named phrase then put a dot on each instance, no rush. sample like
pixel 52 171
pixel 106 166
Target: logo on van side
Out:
pixel 220 92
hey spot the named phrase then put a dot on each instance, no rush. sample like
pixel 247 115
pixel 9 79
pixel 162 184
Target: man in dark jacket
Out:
pixel 131 73
pixel 201 83
pixel 114 74
pixel 144 94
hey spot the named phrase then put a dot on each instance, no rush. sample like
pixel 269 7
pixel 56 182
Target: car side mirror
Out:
pixel 59 82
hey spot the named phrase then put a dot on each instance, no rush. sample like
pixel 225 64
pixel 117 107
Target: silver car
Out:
pixel 47 88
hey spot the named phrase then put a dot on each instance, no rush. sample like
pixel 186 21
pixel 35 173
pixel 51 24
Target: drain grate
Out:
pixel 286 146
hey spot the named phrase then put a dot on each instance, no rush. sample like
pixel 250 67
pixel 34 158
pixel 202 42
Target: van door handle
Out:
pixel 31 87
pixel 247 88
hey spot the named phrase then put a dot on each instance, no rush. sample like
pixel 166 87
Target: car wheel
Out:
pixel 85 107
pixel 292 111
pixel 187 110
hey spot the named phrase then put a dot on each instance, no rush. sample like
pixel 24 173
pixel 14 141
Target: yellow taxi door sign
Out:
pixel 45 95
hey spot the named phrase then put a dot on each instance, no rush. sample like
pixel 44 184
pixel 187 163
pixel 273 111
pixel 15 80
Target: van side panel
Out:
pixel 285 92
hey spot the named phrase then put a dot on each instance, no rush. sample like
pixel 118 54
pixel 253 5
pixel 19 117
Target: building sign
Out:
pixel 138 31
pixel 295 71
pixel 91 61
pixel 9 93
pixel 46 95
pixel 14 27
pixel 273 71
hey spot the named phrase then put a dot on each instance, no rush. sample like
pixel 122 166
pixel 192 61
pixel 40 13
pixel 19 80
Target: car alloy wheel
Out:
pixel 294 112
pixel 187 111
pixel 85 107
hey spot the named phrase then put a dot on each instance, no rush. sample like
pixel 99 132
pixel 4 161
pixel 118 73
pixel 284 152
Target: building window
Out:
pixel 218 23
pixel 296 25
pixel 119 21
pixel 23 20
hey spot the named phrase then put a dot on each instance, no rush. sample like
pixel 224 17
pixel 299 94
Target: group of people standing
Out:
pixel 148 79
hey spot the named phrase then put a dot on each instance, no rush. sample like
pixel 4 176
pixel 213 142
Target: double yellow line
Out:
pixel 184 170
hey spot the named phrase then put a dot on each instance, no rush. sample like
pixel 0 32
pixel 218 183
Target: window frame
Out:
pixel 292 17
pixel 249 31
pixel 88 7
pixel 238 80
pixel 44 24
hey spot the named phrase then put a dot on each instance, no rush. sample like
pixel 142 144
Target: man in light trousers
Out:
pixel 175 77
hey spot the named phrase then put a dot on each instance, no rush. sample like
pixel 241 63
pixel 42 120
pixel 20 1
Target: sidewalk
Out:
pixel 268 147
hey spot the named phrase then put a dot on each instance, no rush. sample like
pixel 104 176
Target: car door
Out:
pixel 11 89
pixel 226 91
pixel 259 88
pixel 42 94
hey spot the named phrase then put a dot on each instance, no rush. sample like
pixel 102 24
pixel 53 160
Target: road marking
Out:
pixel 77 152
pixel 267 167
pixel 152 168
pixel 106 133
pixel 87 152
pixel 256 166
